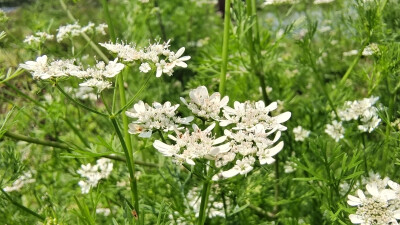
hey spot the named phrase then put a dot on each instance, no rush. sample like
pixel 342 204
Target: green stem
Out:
pixel 351 67
pixel 77 132
pixel 133 99
pixel 42 218
pixel 109 20
pixel 160 21
pixel 78 103
pixel 205 192
pixel 24 95
pixel 66 147
pixel 225 45
pixel 131 166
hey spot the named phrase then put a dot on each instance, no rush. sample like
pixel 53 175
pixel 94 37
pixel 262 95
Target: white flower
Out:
pixel 157 55
pixel 316 2
pixel 300 134
pixel 242 167
pixel 159 117
pixel 193 145
pixel 265 154
pixel 94 174
pixel 363 110
pixel 42 69
pixel 370 49
pixel 375 208
pixel 350 53
pixel 24 179
pixel 101 28
pixel 144 68
pixel 335 130
pixel 289 167
pixel 246 115
pixel 203 105
pixel 104 211
pixel 95 83
pixel 73 30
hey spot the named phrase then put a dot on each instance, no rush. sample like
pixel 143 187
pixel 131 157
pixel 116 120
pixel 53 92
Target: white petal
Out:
pixel 209 128
pixel 219 140
pixel 272 106
pixel 183 100
pixel 353 200
pixel 356 219
pixel 274 150
pixel 230 173
pixel 146 134
pixel 283 117
pixel 163 148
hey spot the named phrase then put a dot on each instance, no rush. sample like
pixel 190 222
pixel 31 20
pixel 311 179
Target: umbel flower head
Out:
pixel 156 56
pixel 193 145
pixel 93 174
pixel 156 117
pixel 379 207
pixel 203 105
pixel 96 76
pixel 251 134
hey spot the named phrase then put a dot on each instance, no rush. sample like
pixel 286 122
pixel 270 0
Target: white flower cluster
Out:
pixel 300 134
pixel 335 130
pixel 370 49
pixel 193 145
pixel 247 139
pixel 26 178
pixel 379 206
pixel 94 76
pixel 73 30
pixel 94 174
pixel 156 56
pixel 278 2
pixel 317 2
pixel 38 38
pixel 203 105
pixel 362 110
pixel 249 136
pixel 156 117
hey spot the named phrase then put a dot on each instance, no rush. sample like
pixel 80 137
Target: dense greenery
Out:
pixel 296 54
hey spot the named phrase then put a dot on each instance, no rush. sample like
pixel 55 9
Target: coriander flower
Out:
pixel 144 68
pixel 158 55
pixel 242 167
pixel 363 110
pixel 38 37
pixel 155 117
pixel 203 105
pixel 375 208
pixel 43 69
pixel 300 134
pixel 193 145
pixel 94 174
pixel 335 130
pixel 246 115
pixel 24 179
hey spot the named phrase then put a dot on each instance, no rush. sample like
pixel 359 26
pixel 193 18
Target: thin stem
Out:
pixel 352 65
pixel 24 95
pixel 160 22
pixel 225 45
pixel 130 164
pixel 77 132
pixel 66 147
pixel 109 20
pixel 42 218
pixel 205 192
pixel 78 103
pixel 133 99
